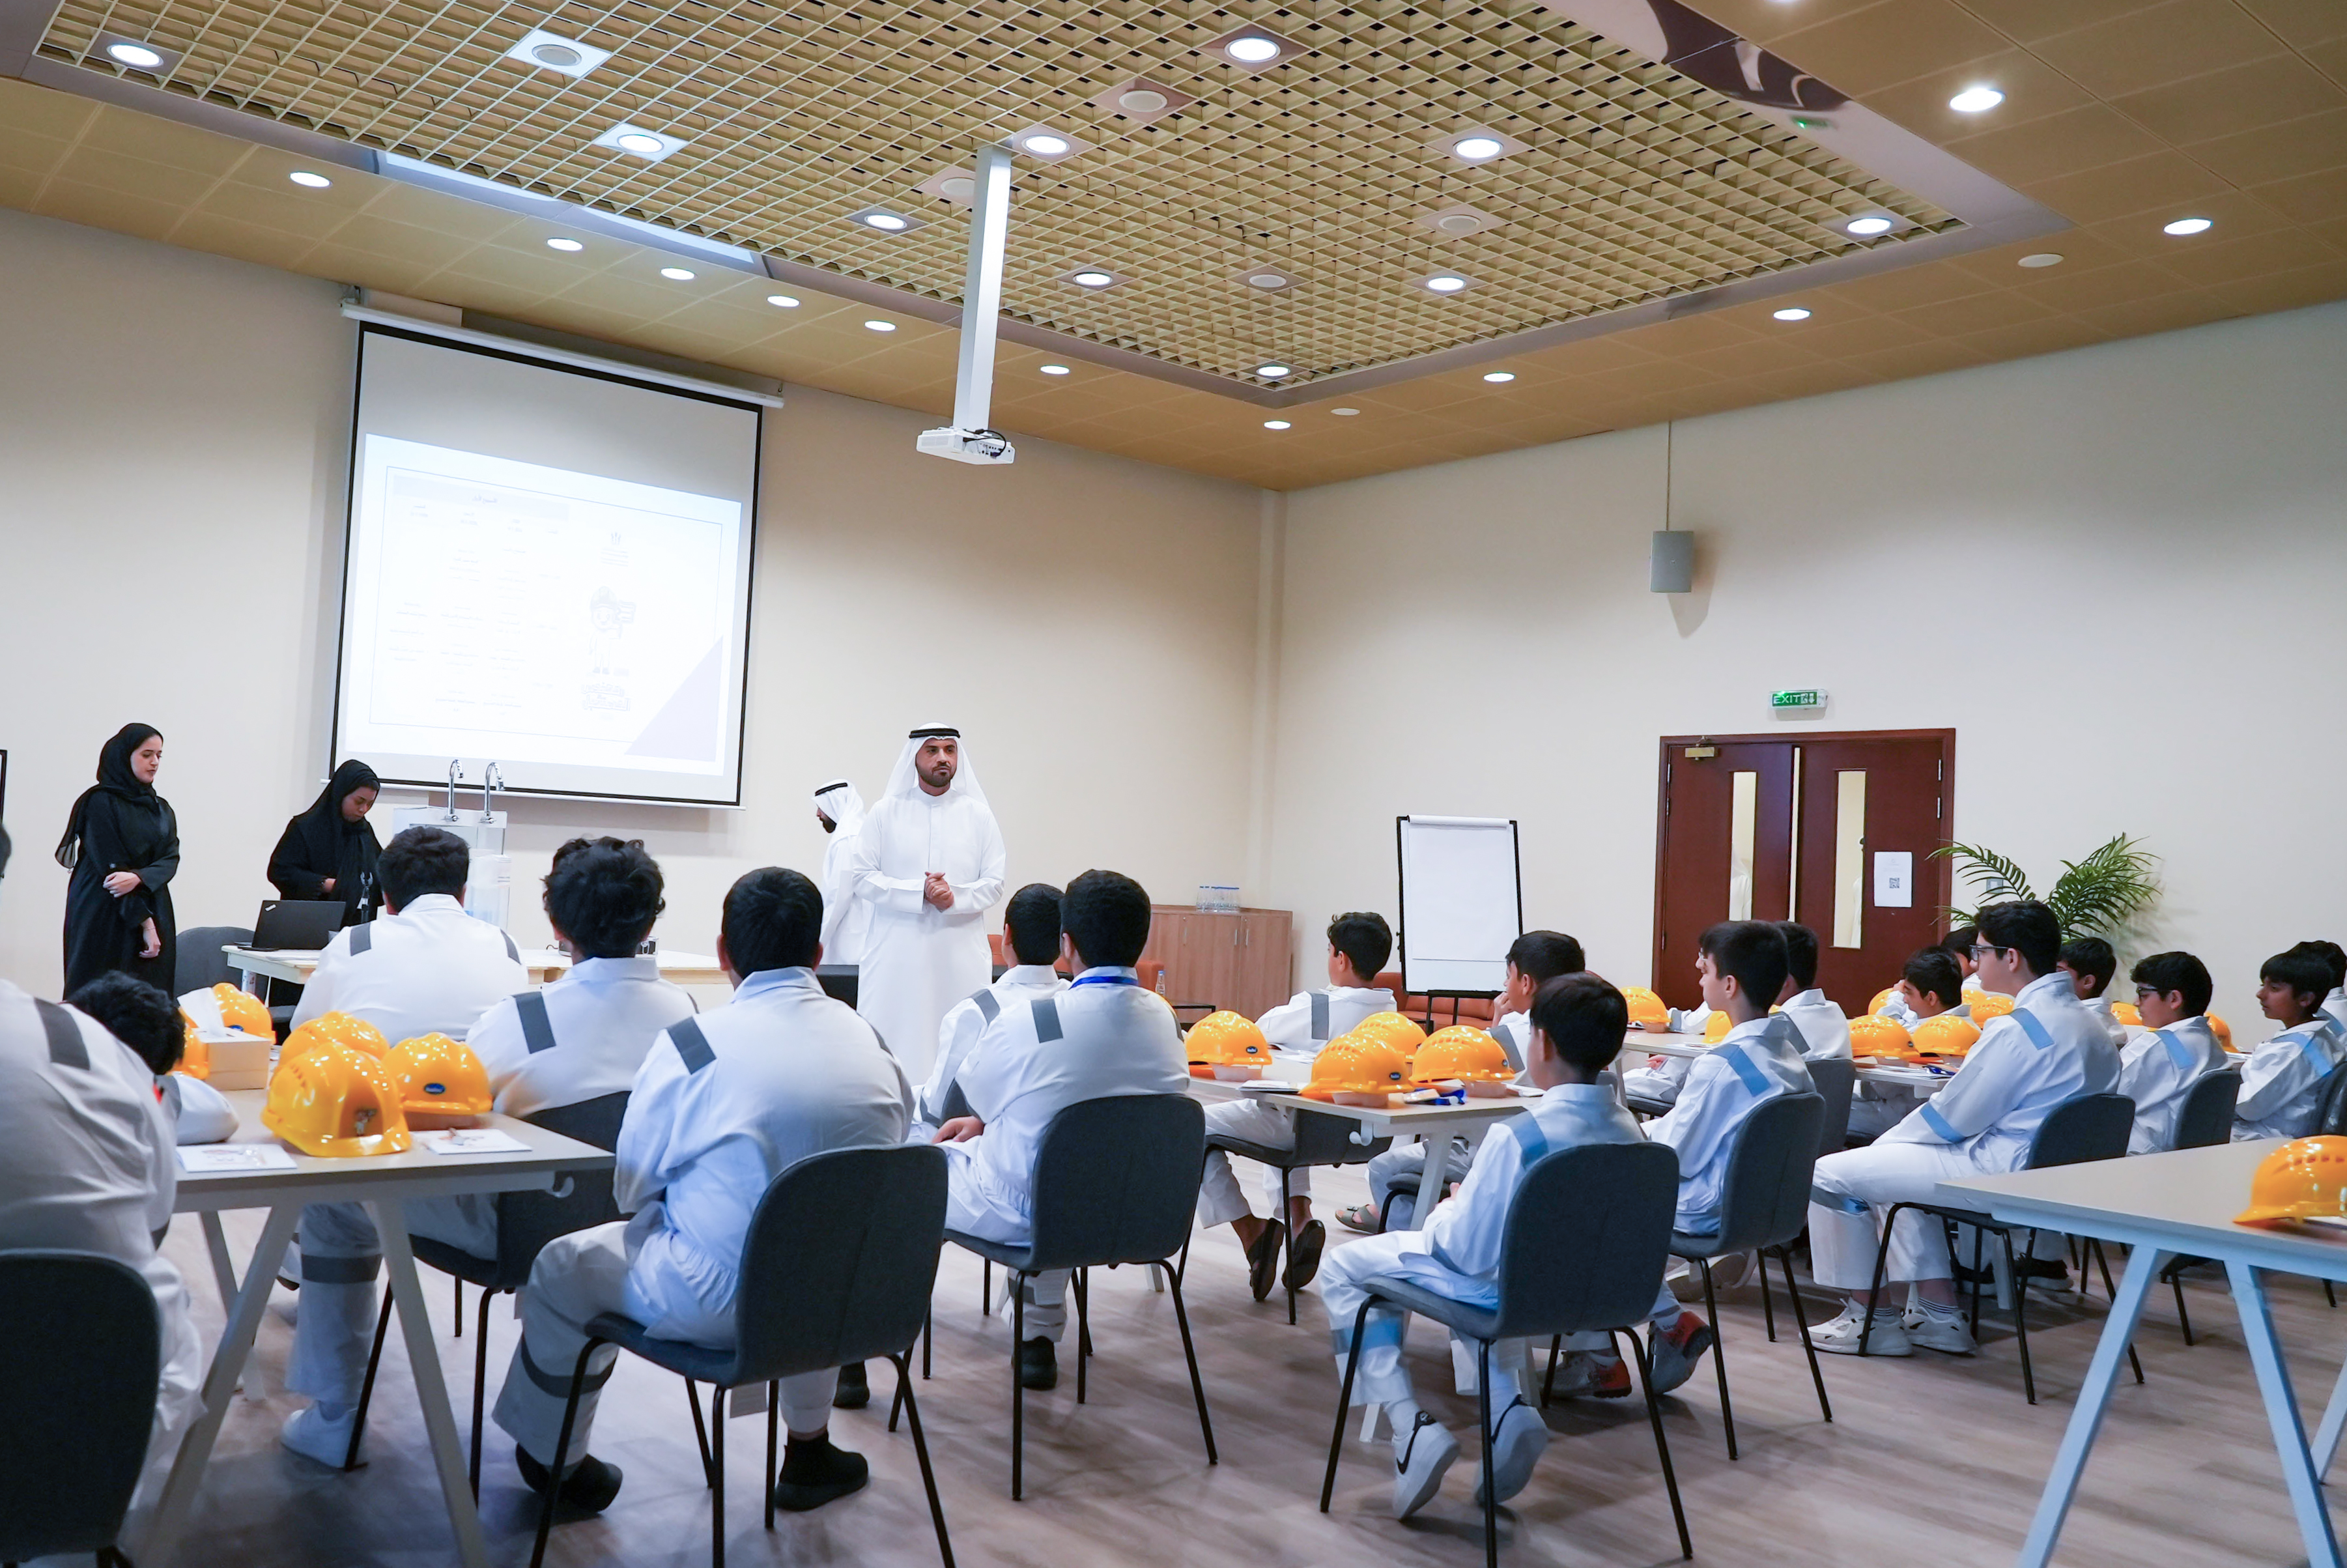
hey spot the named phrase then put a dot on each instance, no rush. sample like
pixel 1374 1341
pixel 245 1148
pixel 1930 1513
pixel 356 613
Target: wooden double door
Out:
pixel 1835 831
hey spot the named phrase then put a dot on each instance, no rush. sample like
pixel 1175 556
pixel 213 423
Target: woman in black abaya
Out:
pixel 122 846
pixel 329 851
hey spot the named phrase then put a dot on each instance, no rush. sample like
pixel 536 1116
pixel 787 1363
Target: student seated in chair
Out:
pixel 2335 1002
pixel 582 1037
pixel 2156 1070
pixel 1821 1028
pixel 1958 945
pixel 2090 964
pixel 1358 944
pixel 1101 1037
pixel 1930 986
pixel 2282 1081
pixel 148 1022
pixel 1742 966
pixel 2044 1051
pixel 1030 936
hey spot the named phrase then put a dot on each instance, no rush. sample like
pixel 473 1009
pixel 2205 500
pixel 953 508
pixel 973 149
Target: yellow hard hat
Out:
pixel 242 1010
pixel 1646 1008
pixel 438 1076
pixel 345 1028
pixel 1882 999
pixel 1393 1028
pixel 1874 1035
pixel 195 1057
pixel 1227 1039
pixel 1716 1027
pixel 2304 1179
pixel 1989 1005
pixel 1359 1064
pixel 2221 1029
pixel 337 1102
pixel 1460 1052
pixel 2127 1012
pixel 1946 1035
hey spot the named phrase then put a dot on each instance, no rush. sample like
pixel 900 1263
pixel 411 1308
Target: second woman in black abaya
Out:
pixel 329 851
pixel 122 845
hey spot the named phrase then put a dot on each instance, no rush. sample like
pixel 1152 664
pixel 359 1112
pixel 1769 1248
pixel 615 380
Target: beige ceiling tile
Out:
pixel 1762 20
pixel 2299 146
pixel 401 241
pixel 638 297
pixel 2252 256
pixel 2289 291
pixel 2027 20
pixel 102 207
pixel 1591 355
pixel 1839 339
pixel 2309 199
pixel 548 273
pixel 2033 90
pixel 2001 267
pixel 1975 313
pixel 282 210
pixel 1705 329
pixel 2138 185
pixel 2243 97
pixel 411 204
pixel 2021 339
pixel 2301 22
pixel 1919 359
pixel 1757 358
pixel 1906 288
pixel 2330 58
pixel 223 236
pixel 18 186
pixel 2076 288
pixel 2167 313
pixel 2236 214
pixel 162 141
pixel 371 271
pixel 2331 231
pixel 132 176
pixel 1864 51
pixel 1644 380
pixel 30 154
pixel 2084 137
pixel 1811 380
pixel 42 112
pixel 2158 45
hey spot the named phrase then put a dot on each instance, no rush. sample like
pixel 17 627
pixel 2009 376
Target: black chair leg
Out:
pixel 986 1287
pixel 928 1335
pixel 717 1477
pixel 1288 1250
pixel 1548 1384
pixel 1662 1440
pixel 366 1388
pixel 1343 1405
pixel 1718 1356
pixel 1874 1294
pixel 1084 1333
pixel 1018 1388
pixel 699 1432
pixel 2020 1317
pixel 1084 1302
pixel 774 1463
pixel 1483 1424
pixel 1198 1384
pixel 562 1450
pixel 2095 1246
pixel 2183 1317
pixel 1768 1307
pixel 480 1386
pixel 921 1452
pixel 1801 1321
pixel 2330 1295
pixel 458 1281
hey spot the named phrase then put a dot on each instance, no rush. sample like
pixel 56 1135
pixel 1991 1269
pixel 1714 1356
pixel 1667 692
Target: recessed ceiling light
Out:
pixel 957 188
pixel 1867 228
pixel 2042 258
pixel 1275 424
pixel 1251 49
pixel 561 244
pixel 1499 375
pixel 1792 313
pixel 560 56
pixel 314 181
pixel 639 141
pixel 1975 100
pixel 548 51
pixel 1091 280
pixel 1273 371
pixel 1143 101
pixel 137 56
pixel 880 326
pixel 1052 369
pixel 1474 145
pixel 1458 223
pixel 1344 413
pixel 1444 283
pixel 2188 226
pixel 1265 281
pixel 1477 149
pixel 885 220
pixel 677 274
pixel 787 302
pixel 1043 144
pixel 1046 143
pixel 642 143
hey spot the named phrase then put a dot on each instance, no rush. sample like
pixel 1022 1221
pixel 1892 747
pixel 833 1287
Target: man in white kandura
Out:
pixel 845 917
pixel 928 865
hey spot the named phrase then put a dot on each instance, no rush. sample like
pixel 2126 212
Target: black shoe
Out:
pixel 1263 1258
pixel 1039 1365
pixel 1308 1243
pixel 2046 1268
pixel 854 1389
pixel 815 1472
pixel 588 1488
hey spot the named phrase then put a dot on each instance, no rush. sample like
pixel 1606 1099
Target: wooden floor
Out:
pixel 1931 1460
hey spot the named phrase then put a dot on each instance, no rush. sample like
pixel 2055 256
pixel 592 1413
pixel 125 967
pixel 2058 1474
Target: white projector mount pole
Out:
pixel 968 439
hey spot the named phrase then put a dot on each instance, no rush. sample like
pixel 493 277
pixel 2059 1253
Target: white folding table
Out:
pixel 386 1183
pixel 295 964
pixel 2161 1205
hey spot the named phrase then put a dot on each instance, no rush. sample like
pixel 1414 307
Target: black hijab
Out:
pixel 114 778
pixel 319 843
pixel 321 829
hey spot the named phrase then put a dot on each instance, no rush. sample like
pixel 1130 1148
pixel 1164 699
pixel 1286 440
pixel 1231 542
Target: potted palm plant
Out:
pixel 2095 896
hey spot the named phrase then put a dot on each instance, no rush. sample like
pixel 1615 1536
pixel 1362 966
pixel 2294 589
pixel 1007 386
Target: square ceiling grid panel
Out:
pixel 1287 215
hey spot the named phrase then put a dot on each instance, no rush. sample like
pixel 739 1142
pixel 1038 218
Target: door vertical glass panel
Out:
pixel 1850 858
pixel 1743 819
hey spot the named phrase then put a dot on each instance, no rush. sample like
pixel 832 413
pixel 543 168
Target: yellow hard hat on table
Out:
pixel 1393 1028
pixel 1357 1064
pixel 1227 1039
pixel 1646 1008
pixel 337 1102
pixel 437 1076
pixel 2304 1179
pixel 1946 1035
pixel 1871 1034
pixel 1716 1027
pixel 242 1010
pixel 1461 1051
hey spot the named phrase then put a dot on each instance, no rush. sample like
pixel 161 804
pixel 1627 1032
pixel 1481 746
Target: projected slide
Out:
pixel 503 610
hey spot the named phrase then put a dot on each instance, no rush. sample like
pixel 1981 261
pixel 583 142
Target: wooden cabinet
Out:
pixel 1237 961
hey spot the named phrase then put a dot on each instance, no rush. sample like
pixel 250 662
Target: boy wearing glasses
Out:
pixel 2172 992
pixel 2282 1083
pixel 2030 1060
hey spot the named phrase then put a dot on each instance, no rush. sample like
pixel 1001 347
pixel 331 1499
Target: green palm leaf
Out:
pixel 1995 879
pixel 2096 896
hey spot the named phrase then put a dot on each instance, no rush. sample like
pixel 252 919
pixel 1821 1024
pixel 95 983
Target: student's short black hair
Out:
pixel 138 1015
pixel 1541 956
pixel 1365 939
pixel 1753 951
pixel 1106 915
pixel 419 862
pixel 2331 953
pixel 1932 972
pixel 2092 957
pixel 2166 972
pixel 1584 1019
pixel 2029 928
pixel 774 920
pixel 1800 953
pixel 2306 973
pixel 1032 919
pixel 1959 941
pixel 604 894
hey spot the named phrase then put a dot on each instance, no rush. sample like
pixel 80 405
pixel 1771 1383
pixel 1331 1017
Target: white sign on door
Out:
pixel 1894 879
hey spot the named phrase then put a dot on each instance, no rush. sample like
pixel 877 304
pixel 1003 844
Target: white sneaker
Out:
pixel 310 1434
pixel 1518 1440
pixel 1420 1459
pixel 1946 1332
pixel 1839 1336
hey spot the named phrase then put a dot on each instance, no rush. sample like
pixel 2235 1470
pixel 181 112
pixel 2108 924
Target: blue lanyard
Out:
pixel 1092 977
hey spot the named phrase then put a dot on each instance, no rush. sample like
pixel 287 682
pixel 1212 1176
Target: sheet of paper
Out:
pixel 1894 879
pixel 471 1141
pixel 205 1159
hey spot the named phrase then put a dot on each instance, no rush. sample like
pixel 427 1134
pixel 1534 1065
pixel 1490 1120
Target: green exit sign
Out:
pixel 1809 698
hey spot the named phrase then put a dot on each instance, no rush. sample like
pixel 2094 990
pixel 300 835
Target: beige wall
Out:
pixel 2120 573
pixel 172 431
